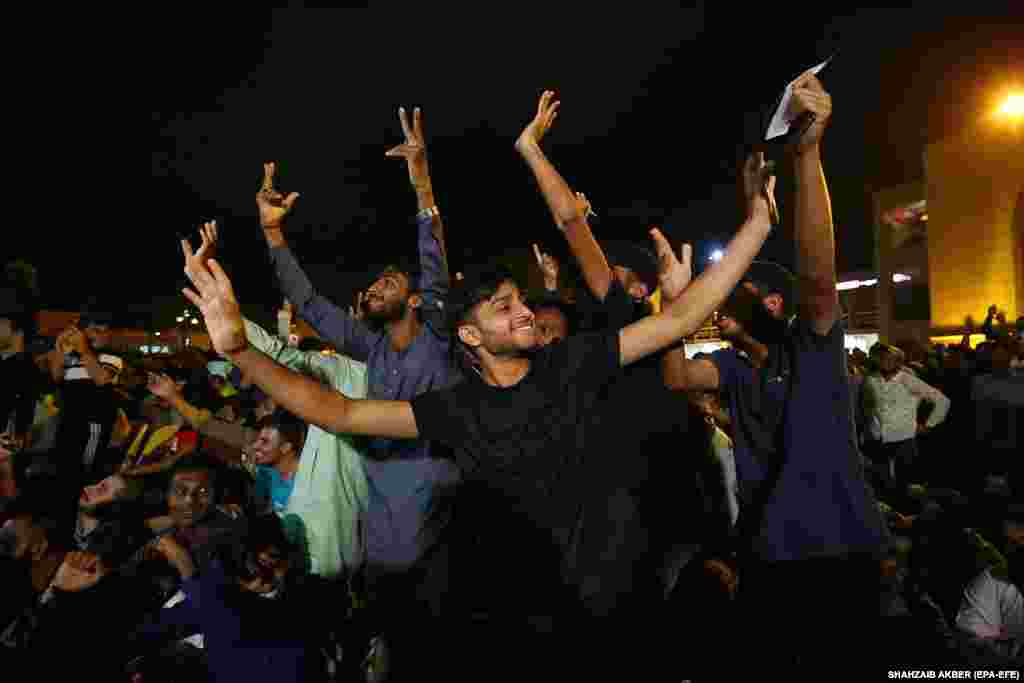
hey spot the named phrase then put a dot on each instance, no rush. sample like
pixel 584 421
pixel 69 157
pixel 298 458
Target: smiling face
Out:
pixel 190 497
pixel 501 325
pixel 270 446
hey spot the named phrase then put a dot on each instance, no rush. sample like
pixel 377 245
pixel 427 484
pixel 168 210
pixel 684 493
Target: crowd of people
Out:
pixel 455 477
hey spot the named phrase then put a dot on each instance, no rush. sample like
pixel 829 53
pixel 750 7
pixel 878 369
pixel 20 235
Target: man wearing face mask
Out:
pixel 807 515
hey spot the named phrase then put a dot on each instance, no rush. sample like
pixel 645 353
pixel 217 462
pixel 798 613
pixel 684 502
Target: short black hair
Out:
pixel 475 287
pixel 198 462
pixel 408 269
pixel 240 558
pixel 291 428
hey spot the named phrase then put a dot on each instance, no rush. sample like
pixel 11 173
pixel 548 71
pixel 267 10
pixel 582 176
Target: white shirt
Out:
pixel 891 405
pixel 993 608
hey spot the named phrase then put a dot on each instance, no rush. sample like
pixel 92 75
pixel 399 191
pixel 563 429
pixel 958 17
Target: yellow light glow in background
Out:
pixel 954 340
pixel 1013 106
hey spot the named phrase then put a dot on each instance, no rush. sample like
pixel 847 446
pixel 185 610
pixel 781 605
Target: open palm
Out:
pixel 547 112
pixel 215 299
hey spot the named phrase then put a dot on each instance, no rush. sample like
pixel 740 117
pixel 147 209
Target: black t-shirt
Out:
pixel 545 458
pixel 21 384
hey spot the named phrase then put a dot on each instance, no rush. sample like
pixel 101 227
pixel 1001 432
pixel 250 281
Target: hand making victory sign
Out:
pixel 273 205
pixel 413 150
pixel 673 274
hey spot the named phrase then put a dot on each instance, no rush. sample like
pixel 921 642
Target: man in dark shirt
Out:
pixel 527 428
pixel 807 515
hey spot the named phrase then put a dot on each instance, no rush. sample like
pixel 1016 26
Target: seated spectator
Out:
pixel 992 610
pixel 276 450
pixel 59 610
pixel 254 609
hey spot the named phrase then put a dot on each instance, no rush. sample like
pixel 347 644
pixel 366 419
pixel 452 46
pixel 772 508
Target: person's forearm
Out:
pixel 274 235
pixel 424 194
pixel 814 237
pixel 194 416
pixel 569 217
pixel 707 292
pixel 303 397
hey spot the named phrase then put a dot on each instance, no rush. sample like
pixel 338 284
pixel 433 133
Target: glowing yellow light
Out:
pixel 1013 107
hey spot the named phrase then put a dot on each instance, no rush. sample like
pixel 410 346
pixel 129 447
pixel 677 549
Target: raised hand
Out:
pixel 414 149
pixel 673 274
pixel 357 312
pixel 809 97
pixel 548 268
pixel 759 187
pixel 273 206
pixel 535 131
pixel 76 340
pixel 208 247
pixel 79 571
pixel 215 299
pixel 162 386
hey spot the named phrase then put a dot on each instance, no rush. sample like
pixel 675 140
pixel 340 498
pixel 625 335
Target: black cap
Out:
pixel 771 278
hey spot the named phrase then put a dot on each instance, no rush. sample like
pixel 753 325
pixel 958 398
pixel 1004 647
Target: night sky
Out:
pixel 657 108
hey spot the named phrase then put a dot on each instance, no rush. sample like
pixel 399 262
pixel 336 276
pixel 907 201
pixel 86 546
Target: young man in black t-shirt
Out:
pixel 526 427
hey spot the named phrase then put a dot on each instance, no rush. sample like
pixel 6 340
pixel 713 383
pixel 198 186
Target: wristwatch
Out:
pixel 429 212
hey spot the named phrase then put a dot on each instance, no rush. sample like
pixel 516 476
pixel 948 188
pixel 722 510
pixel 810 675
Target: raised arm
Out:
pixel 818 299
pixel 230 433
pixel 337 371
pixel 435 279
pixel 303 397
pixel 568 210
pixel 687 311
pixel 331 322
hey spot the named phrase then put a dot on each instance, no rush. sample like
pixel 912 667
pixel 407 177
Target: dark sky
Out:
pixel 656 109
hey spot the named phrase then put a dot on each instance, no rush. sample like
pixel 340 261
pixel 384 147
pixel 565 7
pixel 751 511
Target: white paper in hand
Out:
pixel 779 125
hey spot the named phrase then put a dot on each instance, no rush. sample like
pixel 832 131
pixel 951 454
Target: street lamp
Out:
pixel 1012 107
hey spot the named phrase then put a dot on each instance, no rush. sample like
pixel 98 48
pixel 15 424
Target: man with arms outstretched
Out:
pixel 526 427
